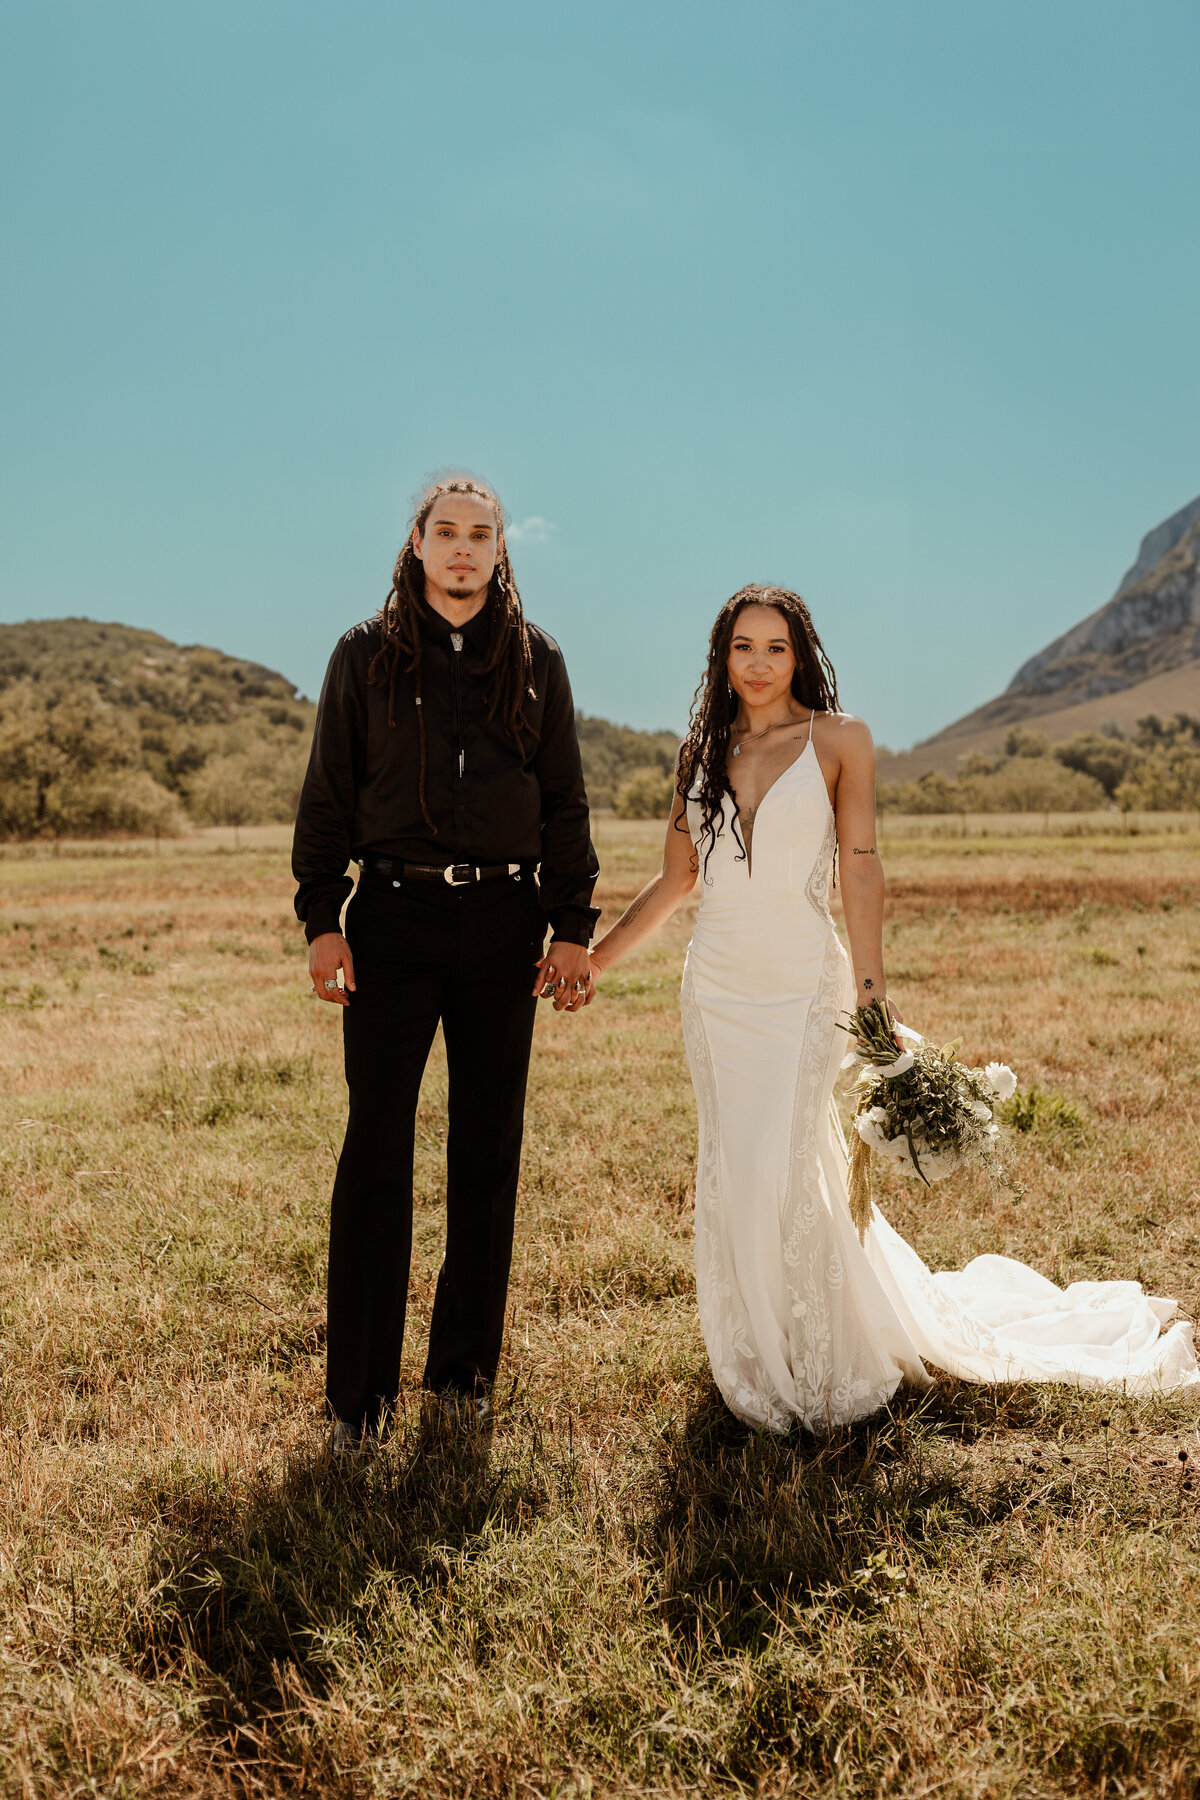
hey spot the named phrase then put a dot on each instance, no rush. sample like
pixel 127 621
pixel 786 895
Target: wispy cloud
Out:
pixel 534 530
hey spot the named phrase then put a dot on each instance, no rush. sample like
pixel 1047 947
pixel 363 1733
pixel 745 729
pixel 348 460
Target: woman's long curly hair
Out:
pixel 704 753
pixel 508 662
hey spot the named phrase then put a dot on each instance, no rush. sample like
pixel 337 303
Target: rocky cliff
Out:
pixel 1151 624
pixel 1138 654
pixel 1156 544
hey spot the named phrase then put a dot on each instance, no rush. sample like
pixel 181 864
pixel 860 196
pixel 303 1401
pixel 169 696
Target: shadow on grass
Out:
pixel 250 1586
pixel 750 1524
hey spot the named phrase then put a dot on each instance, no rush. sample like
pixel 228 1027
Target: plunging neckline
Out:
pixel 782 775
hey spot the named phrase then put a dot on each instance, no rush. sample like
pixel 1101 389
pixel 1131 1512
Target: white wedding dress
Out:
pixel 802 1321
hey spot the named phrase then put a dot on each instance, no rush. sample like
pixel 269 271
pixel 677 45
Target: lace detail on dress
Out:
pixel 837 1372
pixel 722 1315
pixel 810 1271
pixel 833 1385
pixel 817 889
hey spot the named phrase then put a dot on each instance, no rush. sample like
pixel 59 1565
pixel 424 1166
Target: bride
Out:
pixel 801 1320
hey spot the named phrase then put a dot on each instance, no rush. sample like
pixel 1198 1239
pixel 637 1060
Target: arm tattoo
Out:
pixel 868 983
pixel 862 852
pixel 633 909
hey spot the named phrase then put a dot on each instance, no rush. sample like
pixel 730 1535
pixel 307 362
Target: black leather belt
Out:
pixel 453 874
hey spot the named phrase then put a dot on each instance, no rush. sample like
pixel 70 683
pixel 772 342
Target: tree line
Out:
pixel 107 729
pixel 1156 769
pixel 111 730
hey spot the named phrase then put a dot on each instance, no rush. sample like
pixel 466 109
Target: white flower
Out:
pixel 889 1071
pixel 1001 1080
pixel 980 1108
pixel 935 1164
pixel 871 1128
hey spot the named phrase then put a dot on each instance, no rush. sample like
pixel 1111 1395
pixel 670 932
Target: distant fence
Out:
pixel 1109 823
pixel 204 839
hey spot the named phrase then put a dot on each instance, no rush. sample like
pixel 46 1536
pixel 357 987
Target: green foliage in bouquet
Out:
pixel 918 1106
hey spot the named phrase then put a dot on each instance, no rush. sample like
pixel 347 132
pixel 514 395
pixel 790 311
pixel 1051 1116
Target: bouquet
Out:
pixel 919 1107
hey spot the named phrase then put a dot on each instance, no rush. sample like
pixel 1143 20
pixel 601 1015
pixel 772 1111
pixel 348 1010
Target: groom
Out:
pixel 445 763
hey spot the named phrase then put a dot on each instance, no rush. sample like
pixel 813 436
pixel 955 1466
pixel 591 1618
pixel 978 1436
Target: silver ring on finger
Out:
pixel 330 984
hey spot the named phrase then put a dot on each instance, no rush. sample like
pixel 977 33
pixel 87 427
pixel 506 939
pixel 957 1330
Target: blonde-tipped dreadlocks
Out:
pixel 705 750
pixel 508 663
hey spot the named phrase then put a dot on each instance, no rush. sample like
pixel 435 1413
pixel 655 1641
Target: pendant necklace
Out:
pixel 737 748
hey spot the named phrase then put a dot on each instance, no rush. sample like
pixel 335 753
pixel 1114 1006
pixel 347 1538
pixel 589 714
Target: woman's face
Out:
pixel 761 659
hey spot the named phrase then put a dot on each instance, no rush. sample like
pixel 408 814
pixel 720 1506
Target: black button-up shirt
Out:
pixel 491 800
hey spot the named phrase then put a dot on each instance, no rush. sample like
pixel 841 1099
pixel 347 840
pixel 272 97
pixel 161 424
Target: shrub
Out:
pixel 978 762
pixel 1107 759
pixel 1153 733
pixel 1034 784
pixel 113 801
pixel 933 793
pixel 255 786
pixel 1166 780
pixel 1038 1109
pixel 648 794
pixel 1023 784
pixel 1021 741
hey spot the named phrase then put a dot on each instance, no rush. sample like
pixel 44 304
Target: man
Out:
pixel 446 764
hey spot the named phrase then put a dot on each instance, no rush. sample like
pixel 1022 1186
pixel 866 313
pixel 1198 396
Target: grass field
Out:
pixel 983 1592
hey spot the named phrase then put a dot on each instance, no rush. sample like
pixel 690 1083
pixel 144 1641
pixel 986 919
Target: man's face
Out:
pixel 459 545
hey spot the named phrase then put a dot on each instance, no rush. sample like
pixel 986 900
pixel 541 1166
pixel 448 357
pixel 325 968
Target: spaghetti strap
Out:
pixel 812 715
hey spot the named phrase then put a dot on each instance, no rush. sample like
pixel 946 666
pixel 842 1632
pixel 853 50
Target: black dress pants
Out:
pixel 424 952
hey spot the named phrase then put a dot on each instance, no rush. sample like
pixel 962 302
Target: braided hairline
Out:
pixel 705 750
pixel 508 661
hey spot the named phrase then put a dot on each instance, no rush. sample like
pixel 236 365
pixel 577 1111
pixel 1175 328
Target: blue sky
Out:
pixel 897 305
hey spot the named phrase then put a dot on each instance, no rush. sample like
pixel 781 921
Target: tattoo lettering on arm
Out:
pixel 631 912
pixel 870 852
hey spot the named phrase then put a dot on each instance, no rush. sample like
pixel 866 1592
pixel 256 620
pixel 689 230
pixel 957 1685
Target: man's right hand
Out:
pixel 326 955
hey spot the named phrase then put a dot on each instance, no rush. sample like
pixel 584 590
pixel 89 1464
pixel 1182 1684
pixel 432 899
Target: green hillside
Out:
pixel 107 729
pixel 627 770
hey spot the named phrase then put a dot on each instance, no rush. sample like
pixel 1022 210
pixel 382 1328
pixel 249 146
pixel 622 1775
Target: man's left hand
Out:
pixel 565 976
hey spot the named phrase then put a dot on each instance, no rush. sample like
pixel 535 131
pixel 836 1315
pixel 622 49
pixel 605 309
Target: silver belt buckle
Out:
pixel 452 878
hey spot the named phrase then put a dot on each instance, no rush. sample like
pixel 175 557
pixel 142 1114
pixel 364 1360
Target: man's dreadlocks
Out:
pixel 508 663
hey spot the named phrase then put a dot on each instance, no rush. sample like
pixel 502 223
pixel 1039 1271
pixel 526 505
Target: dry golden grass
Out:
pixel 981 1593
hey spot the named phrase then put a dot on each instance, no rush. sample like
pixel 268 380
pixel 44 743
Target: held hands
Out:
pixel 564 975
pixel 326 955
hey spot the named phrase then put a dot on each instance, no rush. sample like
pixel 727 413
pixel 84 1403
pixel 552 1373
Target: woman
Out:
pixel 802 1322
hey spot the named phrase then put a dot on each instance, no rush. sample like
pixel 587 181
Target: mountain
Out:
pixel 107 728
pixel 1138 654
